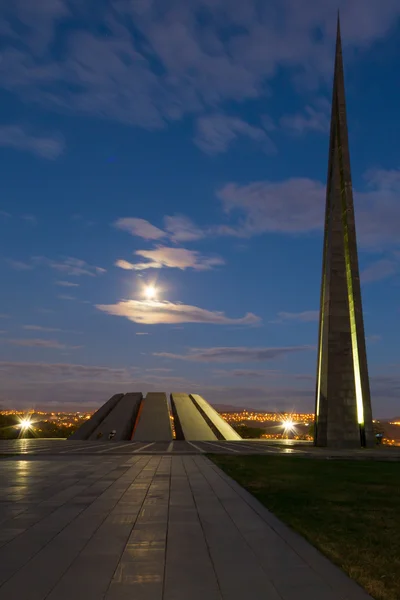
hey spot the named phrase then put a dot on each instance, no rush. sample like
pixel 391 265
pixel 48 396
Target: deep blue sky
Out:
pixel 184 144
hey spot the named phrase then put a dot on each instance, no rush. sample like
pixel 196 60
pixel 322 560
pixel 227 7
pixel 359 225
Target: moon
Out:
pixel 150 292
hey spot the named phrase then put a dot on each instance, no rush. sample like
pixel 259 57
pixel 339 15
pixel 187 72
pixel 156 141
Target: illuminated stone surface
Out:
pixel 225 431
pixel 85 430
pixel 132 417
pixel 120 420
pixel 153 423
pixel 343 403
pixel 189 422
pixel 149 528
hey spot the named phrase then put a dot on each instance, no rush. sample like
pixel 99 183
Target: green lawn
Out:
pixel 350 510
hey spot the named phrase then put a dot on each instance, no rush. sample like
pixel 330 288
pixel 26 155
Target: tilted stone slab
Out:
pixel 85 431
pixel 189 422
pixel 225 430
pixel 153 423
pixel 121 419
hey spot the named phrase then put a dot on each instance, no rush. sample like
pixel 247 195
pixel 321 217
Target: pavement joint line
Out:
pixel 113 447
pixel 143 447
pixel 219 447
pixel 81 447
pixel 170 447
pixel 197 447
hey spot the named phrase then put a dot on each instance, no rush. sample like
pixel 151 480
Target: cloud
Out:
pixel 292 206
pixel 215 133
pixel 71 266
pixel 153 313
pixel 18 265
pixel 40 328
pixel 374 338
pixel 182 229
pixel 66 297
pixel 306 316
pixel 15 137
pixel 380 269
pixel 139 227
pixel 30 219
pixel 5 214
pixel 4 316
pixel 66 284
pixel 147 63
pixel 234 354
pixel 244 373
pixel 311 119
pixel 178 258
pixel 297 205
pixel 178 228
pixel 38 343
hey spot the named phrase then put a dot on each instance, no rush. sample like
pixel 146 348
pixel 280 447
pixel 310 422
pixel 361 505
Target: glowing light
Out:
pixel 25 423
pixel 288 425
pixel 150 292
pixel 350 292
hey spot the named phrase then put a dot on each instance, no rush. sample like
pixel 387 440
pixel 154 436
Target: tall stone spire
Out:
pixel 343 405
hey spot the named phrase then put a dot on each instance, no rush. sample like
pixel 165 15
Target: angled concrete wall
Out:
pixel 86 430
pixel 121 419
pixel 225 430
pixel 153 423
pixel 189 422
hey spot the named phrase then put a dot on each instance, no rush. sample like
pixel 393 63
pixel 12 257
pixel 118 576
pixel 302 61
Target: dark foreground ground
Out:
pixel 350 510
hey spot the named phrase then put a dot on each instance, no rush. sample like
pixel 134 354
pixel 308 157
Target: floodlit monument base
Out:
pixel 133 417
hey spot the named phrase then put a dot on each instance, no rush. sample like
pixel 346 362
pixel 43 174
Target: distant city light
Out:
pixel 25 423
pixel 289 425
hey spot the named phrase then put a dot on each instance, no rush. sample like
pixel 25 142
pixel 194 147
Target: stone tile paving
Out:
pixel 149 528
pixel 44 447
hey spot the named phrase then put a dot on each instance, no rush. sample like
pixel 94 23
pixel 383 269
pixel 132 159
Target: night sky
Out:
pixel 183 145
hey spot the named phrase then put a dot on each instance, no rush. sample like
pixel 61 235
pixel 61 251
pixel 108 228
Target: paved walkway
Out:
pixel 148 528
pixel 45 446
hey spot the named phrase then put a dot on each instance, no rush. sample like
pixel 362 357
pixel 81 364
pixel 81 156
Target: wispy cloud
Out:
pixel 152 313
pixel 234 354
pixel 312 119
pixel 71 266
pixel 182 229
pixel 40 328
pixel 38 343
pixel 30 219
pixel 66 284
pixel 374 338
pixel 380 269
pixel 14 136
pixel 297 205
pixel 174 258
pixel 177 229
pixel 66 297
pixel 245 373
pixel 306 316
pixel 215 133
pixel 174 65
pixel 140 228
pixel 19 265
